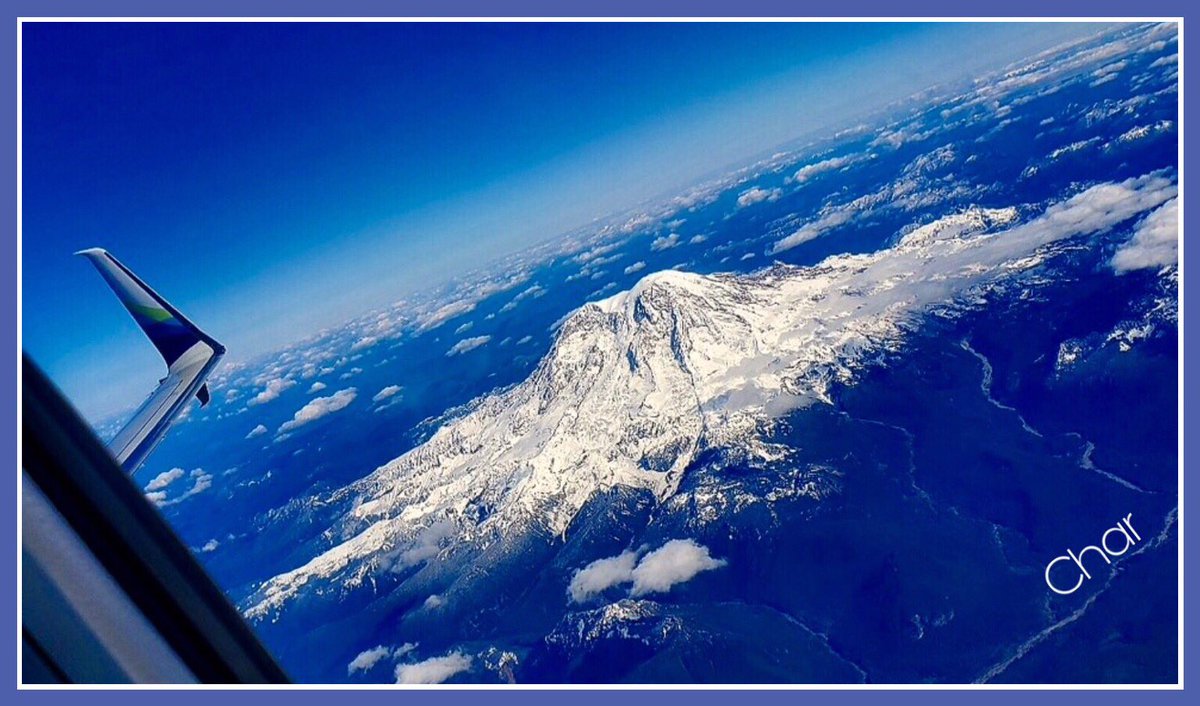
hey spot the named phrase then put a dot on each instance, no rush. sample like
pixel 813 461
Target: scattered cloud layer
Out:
pixel 635 267
pixel 316 387
pixel 257 431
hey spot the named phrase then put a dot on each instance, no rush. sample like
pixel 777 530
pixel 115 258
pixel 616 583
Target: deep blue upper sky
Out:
pixel 271 179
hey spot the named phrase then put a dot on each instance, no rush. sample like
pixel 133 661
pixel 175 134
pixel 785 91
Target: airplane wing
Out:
pixel 190 355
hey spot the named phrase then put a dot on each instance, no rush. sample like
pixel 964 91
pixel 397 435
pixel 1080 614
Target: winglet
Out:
pixel 170 332
pixel 190 355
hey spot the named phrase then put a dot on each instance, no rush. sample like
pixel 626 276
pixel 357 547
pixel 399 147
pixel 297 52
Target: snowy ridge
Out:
pixel 618 620
pixel 639 383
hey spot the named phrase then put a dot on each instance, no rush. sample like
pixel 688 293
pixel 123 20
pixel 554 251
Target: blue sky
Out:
pixel 272 179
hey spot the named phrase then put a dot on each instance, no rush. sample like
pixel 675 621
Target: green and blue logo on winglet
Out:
pixel 167 330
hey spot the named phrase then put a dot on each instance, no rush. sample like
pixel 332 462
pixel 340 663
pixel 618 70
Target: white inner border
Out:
pixel 1179 686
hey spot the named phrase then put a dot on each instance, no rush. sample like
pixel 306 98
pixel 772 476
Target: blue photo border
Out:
pixel 562 8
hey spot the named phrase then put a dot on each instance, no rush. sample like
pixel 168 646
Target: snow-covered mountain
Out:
pixel 636 385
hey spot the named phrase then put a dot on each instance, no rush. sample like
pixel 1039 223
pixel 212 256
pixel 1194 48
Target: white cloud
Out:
pixel 898 136
pixel 210 546
pixel 697 239
pixel 434 670
pixel 814 229
pixel 675 562
pixel 524 339
pixel 316 387
pixel 435 601
pixel 600 261
pixel 533 292
pixel 467 299
pixel 368 658
pixel 1155 242
pixel 635 267
pixel 603 249
pixel 1112 68
pixel 273 389
pixel 426 546
pixel 445 313
pixel 257 431
pixel 665 242
pixel 467 345
pixel 363 343
pixel 599 293
pixel 809 171
pixel 1165 61
pixel 755 195
pixel 601 575
pixel 319 407
pixel 386 392
pixel 463 328
pixel 164 479
pixel 201 481
pixel 906 193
